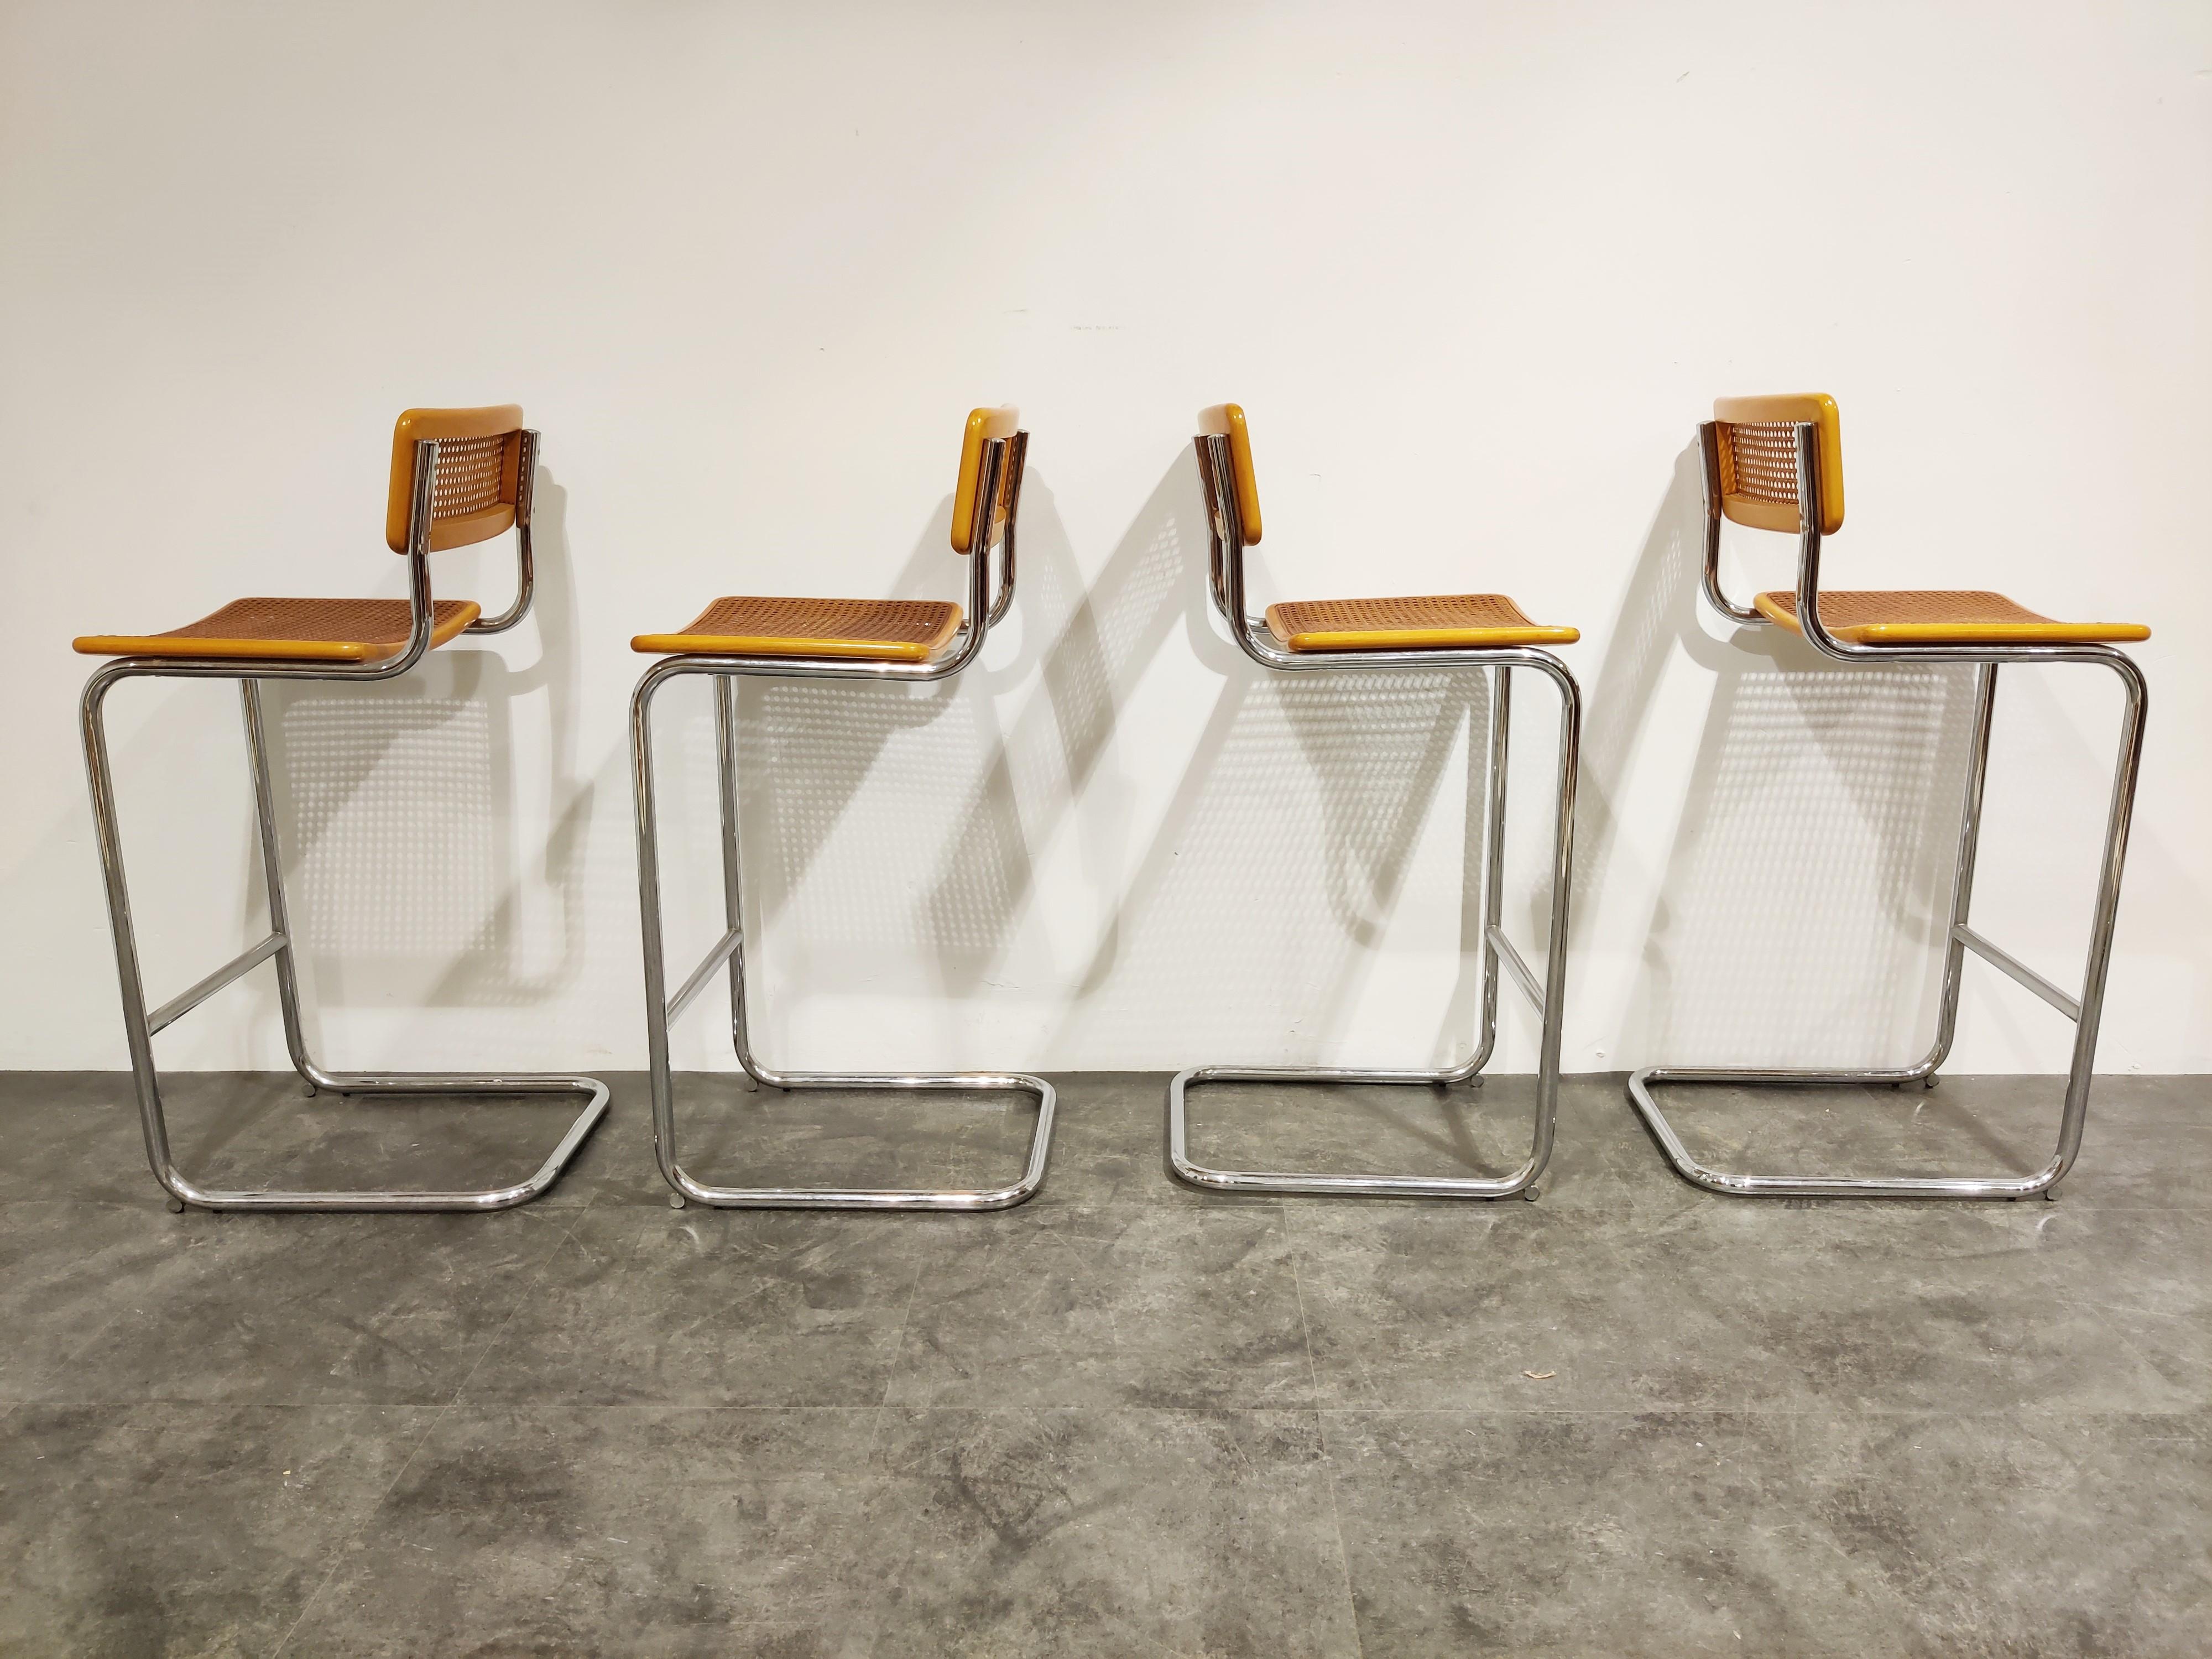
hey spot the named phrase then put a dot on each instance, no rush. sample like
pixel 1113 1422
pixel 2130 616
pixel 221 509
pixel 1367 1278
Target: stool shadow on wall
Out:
pixel 1057 765
pixel 1799 916
pixel 1254 920
pixel 416 874
pixel 885 849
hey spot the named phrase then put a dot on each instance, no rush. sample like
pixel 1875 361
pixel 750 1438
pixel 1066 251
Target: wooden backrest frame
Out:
pixel 460 529
pixel 983 426
pixel 1816 409
pixel 1227 421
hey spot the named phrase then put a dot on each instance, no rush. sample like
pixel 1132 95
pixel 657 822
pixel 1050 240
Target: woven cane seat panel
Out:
pixel 283 630
pixel 1935 618
pixel 1430 622
pixel 881 631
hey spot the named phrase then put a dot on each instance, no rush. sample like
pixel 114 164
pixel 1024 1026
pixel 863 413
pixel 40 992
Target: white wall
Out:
pixel 1476 272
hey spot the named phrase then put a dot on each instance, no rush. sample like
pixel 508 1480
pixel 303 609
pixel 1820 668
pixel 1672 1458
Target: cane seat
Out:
pixel 874 631
pixel 1914 617
pixel 291 630
pixel 1441 621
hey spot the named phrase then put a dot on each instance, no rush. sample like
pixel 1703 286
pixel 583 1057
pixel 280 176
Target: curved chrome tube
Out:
pixel 526 564
pixel 140 1025
pixel 2086 1009
pixel 1227 588
pixel 1003 460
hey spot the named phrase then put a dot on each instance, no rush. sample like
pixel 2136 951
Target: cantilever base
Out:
pixel 895 1198
pixel 183 1192
pixel 1519 1183
pixel 1810 1186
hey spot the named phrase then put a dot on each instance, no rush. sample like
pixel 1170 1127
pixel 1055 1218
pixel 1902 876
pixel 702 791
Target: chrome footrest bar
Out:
pixel 661 1011
pixel 1314 1182
pixel 1809 1186
pixel 704 973
pixel 889 1198
pixel 140 1026
pixel 438 1083
pixel 1496 937
pixel 1960 937
pixel 177 1007
pixel 1545 996
pixel 2006 962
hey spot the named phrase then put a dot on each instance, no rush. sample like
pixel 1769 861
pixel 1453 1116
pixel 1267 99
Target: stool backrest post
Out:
pixel 986 501
pixel 985 427
pixel 1764 459
pixel 1232 501
pixel 481 466
pixel 1709 454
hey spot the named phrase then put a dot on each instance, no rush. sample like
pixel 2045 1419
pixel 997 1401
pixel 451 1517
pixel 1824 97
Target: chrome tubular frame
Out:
pixel 1546 995
pixel 140 1025
pixel 2086 1010
pixel 1002 468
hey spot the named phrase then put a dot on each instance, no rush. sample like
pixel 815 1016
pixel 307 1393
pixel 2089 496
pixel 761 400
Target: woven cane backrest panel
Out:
pixel 472 476
pixel 1757 440
pixel 1759 459
pixel 475 486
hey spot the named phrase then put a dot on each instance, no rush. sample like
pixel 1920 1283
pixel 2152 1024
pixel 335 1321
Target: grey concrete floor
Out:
pixel 1628 1418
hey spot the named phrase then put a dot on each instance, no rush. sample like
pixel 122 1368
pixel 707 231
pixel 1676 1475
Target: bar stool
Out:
pixel 1478 631
pixel 881 641
pixel 458 475
pixel 1765 459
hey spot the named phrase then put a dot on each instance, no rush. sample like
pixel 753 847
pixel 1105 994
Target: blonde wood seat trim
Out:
pixel 878 630
pixel 1913 616
pixel 1437 622
pixel 291 630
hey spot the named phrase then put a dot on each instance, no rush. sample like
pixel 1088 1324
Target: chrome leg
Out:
pixel 2085 1011
pixel 1549 1001
pixel 660 1009
pixel 1493 882
pixel 1962 876
pixel 272 882
pixel 725 777
pixel 139 1027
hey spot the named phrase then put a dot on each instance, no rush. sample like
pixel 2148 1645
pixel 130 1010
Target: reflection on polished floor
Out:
pixel 1628 1419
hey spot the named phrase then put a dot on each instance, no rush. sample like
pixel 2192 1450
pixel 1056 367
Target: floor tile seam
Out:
pixel 63 1362
pixel 29 1200
pixel 368 1513
pixel 2008 1413
pixel 2009 1410
pixel 1774 1412
pixel 1321 1436
pixel 567 1236
pixel 522 1406
pixel 1194 1411
pixel 2101 1316
pixel 891 1370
